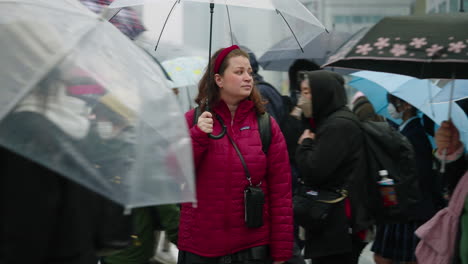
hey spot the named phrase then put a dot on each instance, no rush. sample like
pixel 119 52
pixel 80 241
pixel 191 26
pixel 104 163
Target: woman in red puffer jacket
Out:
pixel 214 229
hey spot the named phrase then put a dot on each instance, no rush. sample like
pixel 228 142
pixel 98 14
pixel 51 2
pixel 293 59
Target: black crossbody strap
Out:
pixel 246 170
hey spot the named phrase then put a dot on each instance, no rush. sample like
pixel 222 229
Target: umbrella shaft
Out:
pixel 209 52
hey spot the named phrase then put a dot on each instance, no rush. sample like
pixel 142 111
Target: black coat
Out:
pixel 45 218
pixel 429 184
pixel 331 160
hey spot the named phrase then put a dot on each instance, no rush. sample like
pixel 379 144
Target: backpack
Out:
pixel 264 128
pixel 385 149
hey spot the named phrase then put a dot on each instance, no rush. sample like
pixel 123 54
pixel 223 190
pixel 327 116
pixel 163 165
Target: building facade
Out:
pixel 350 16
pixel 446 6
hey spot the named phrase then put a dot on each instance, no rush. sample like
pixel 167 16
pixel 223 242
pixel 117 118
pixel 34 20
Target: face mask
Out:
pixel 393 111
pixel 105 129
pixel 306 106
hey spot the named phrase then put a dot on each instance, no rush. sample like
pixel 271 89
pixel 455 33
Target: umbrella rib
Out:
pixel 165 22
pixel 115 14
pixel 279 12
pixel 229 21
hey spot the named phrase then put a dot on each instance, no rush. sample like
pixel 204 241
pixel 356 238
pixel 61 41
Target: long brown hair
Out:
pixel 209 90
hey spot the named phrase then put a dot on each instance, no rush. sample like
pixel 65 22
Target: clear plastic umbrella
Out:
pixel 80 98
pixel 256 24
pixel 127 20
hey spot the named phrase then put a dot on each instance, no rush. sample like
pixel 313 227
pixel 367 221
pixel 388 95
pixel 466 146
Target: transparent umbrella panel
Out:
pixel 256 25
pixel 81 99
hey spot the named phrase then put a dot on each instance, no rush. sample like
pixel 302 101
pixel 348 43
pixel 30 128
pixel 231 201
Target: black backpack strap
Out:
pixel 264 128
pixel 196 115
pixel 344 114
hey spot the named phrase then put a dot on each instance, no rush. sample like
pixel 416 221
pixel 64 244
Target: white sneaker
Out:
pixel 165 257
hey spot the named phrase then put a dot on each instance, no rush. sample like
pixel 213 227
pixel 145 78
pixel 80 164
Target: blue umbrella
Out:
pixel 459 92
pixel 417 92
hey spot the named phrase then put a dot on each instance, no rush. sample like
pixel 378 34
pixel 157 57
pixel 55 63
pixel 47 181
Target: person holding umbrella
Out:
pixel 243 212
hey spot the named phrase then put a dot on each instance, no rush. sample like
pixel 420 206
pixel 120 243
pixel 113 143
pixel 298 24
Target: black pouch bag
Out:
pixel 254 198
pixel 312 207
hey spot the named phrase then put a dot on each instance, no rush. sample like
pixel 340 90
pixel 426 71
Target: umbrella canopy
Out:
pixel 271 21
pixel 317 50
pixel 417 92
pixel 426 46
pixel 108 121
pixel 167 51
pixel 185 73
pixel 460 92
pixel 127 20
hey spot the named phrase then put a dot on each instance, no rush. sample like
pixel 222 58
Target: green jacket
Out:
pixel 146 220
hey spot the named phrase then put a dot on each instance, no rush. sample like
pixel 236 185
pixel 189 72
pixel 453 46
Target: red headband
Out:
pixel 222 55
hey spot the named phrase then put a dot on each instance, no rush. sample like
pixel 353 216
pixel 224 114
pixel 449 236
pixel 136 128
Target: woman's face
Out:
pixel 236 83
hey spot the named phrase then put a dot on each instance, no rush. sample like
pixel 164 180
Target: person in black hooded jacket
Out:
pixel 328 160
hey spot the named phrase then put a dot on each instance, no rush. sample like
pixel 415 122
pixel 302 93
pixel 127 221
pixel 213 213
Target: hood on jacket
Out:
pixel 328 93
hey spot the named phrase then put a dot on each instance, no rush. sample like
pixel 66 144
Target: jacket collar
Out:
pixel 242 111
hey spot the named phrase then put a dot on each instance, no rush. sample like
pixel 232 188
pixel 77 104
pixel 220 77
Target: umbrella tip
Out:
pixel 326 30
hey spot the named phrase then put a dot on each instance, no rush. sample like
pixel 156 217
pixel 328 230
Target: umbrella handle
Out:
pixel 223 132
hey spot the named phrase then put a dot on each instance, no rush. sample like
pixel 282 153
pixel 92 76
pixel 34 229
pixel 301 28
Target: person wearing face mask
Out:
pixel 397 242
pixel 328 160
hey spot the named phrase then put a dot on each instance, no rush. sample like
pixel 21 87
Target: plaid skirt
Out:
pixel 397 241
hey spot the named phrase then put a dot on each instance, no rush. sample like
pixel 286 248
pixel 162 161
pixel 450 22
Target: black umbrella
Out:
pixel 426 46
pixel 317 50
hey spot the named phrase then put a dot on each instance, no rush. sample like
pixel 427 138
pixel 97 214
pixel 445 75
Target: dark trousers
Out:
pixel 347 258
pixel 256 255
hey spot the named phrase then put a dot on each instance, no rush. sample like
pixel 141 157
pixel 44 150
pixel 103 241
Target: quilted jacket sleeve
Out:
pixel 199 138
pixel 280 197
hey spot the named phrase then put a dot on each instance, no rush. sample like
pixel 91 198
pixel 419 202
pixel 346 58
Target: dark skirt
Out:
pixel 397 241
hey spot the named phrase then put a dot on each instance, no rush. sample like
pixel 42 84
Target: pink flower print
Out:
pixel 418 42
pixel 456 47
pixel 451 38
pixel 380 52
pixel 433 50
pixel 382 43
pixel 411 54
pixel 398 50
pixel 397 38
pixel 444 55
pixel 364 49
